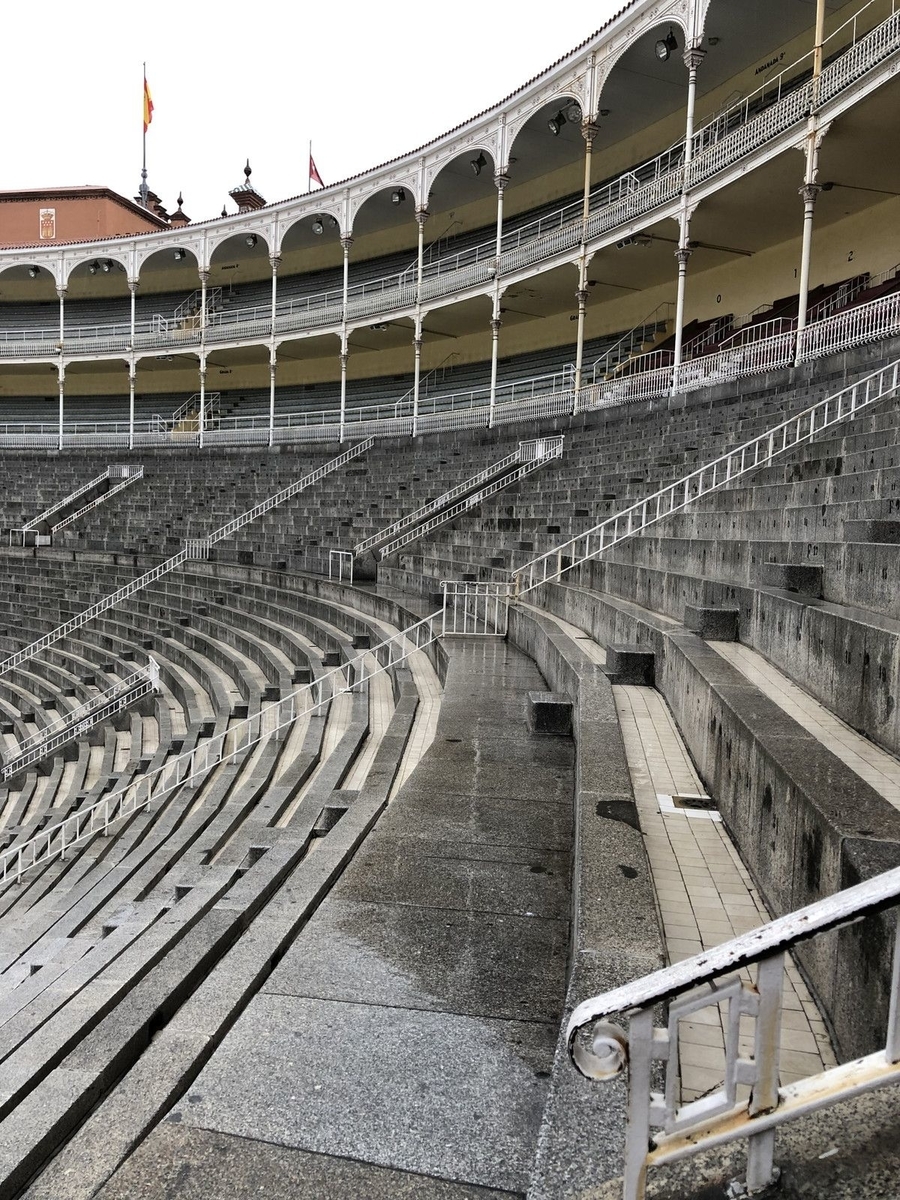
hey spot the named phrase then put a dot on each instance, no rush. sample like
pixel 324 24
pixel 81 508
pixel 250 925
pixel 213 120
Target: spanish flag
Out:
pixel 148 104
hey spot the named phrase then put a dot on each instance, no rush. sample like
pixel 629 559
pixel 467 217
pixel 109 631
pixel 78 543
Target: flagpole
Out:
pixel 144 189
pixel 309 168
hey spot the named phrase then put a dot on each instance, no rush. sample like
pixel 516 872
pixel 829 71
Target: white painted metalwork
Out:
pixel 189 769
pixel 125 475
pixel 196 548
pixel 711 979
pixel 77 721
pixel 474 609
pixel 340 566
pixel 524 452
pixel 832 410
pixel 528 461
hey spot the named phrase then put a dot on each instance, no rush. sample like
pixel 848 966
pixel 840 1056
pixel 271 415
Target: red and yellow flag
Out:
pixel 148 105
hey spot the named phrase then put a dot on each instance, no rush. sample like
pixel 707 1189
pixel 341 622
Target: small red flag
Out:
pixel 314 176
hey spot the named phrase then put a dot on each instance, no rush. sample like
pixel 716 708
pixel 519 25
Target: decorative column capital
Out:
pixel 345 355
pixel 133 285
pixel 346 242
pixel 809 193
pixel 61 291
pixel 589 130
pixel 495 326
pixel 581 296
pixel 204 275
pixel 422 215
pixel 682 255
pixel 501 181
pixel 274 262
pixel 693 57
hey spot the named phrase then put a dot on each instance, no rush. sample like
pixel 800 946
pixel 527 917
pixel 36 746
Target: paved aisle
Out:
pixel 402 1048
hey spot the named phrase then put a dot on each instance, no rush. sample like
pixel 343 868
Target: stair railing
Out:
pixel 190 768
pixel 80 720
pixel 758 452
pixel 196 548
pixel 660 1127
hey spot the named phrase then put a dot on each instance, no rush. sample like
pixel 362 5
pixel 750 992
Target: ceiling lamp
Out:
pixel 318 226
pixel 106 266
pixel 666 45
pixel 398 196
pixel 556 123
pixel 179 255
pixel 478 164
pixel 93 268
pixel 34 272
pixel 251 239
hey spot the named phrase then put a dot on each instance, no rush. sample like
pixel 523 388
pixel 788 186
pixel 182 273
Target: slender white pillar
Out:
pixel 62 396
pixel 132 369
pixel 274 261
pixel 204 279
pixel 346 243
pixel 345 354
pixel 272 365
pixel 133 287
pixel 61 292
pixel 501 181
pixel 693 57
pixel 201 418
pixel 809 192
pixel 421 218
pixel 589 132
pixel 417 346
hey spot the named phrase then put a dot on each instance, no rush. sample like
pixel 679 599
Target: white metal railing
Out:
pixel 192 767
pixel 777 105
pixel 661 1127
pixel 77 721
pixel 475 609
pixel 624 348
pixel 759 451
pixel 340 566
pixel 197 548
pixel 133 474
pixel 524 452
pixel 550 448
pixel 66 501
pixel 191 407
pixel 854 327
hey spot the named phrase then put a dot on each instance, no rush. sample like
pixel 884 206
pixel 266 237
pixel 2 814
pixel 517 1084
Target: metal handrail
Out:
pixel 674 497
pixel 553 448
pixel 83 718
pixel 170 564
pixel 193 765
pixel 66 501
pixel 130 478
pixel 432 506
pixel 710 978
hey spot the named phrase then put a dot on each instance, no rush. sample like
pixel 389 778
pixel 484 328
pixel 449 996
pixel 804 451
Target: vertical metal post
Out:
pixel 272 368
pixel 274 260
pixel 204 279
pixel 417 344
pixel 201 417
pixel 132 368
pixel 637 1137
pixel 761 1146
pixel 346 243
pixel 810 189
pixel 501 181
pixel 62 392
pixel 693 57
pixel 589 131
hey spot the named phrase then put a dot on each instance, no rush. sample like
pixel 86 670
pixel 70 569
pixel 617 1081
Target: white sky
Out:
pixel 366 80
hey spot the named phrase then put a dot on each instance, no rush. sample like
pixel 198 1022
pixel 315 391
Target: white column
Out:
pixel 201 417
pixel 417 345
pixel 274 260
pixel 204 279
pixel 62 393
pixel 809 192
pixel 346 243
pixel 693 57
pixel 421 218
pixel 61 292
pixel 589 131
pixel 132 368
pixel 133 287
pixel 272 364
pixel 501 181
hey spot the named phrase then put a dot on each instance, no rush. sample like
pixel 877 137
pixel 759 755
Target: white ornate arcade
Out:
pixel 793 108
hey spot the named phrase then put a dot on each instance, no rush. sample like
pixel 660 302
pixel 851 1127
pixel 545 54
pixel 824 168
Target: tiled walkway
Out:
pixel 878 768
pixel 704 891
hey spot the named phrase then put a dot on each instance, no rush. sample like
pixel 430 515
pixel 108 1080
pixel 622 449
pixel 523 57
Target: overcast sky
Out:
pixel 365 81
